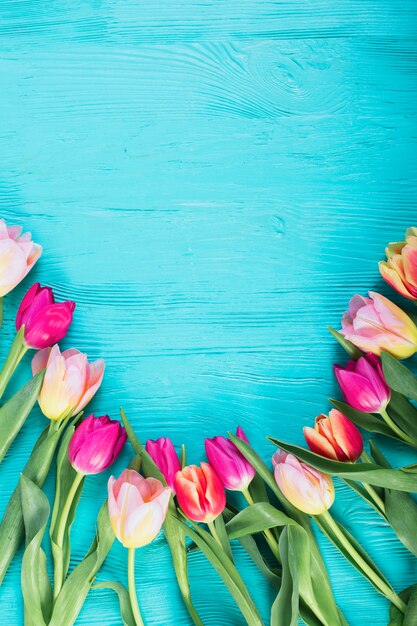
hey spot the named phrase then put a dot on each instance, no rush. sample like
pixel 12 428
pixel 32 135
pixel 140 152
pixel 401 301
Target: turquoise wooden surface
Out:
pixel 211 182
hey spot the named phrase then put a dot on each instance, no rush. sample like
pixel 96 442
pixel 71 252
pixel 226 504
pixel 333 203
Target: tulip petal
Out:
pixel 347 435
pixel 319 444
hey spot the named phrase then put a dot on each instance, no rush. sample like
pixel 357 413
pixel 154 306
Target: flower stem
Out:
pixel 17 351
pixel 269 537
pixel 380 584
pixel 390 422
pixel 59 542
pixel 214 533
pixel 375 497
pixel 132 587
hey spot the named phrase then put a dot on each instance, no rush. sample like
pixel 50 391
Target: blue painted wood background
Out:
pixel 211 182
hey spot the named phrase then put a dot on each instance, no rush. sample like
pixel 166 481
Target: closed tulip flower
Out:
pixel 96 444
pixel 363 385
pixel 200 492
pixel 304 487
pixel 400 268
pixel 163 454
pixel 18 254
pixel 335 437
pixel 374 324
pixel 235 472
pixel 45 321
pixel 137 508
pixel 70 381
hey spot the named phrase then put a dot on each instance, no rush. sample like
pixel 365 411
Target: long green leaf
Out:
pixel 124 600
pixel 398 376
pixel 363 472
pixel 397 618
pixel 15 411
pixel 403 413
pixel 284 611
pixel 36 587
pixel 347 345
pixel 256 519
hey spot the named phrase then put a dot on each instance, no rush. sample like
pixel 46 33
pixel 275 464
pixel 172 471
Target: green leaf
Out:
pixel 36 587
pixel 256 519
pixel 403 413
pixel 221 531
pixel 398 376
pixel 124 600
pixel 183 458
pixel 360 490
pixel 367 421
pixel 36 469
pixel 397 618
pixel 284 610
pixel 226 570
pixel 363 472
pixel 15 411
pixel 347 345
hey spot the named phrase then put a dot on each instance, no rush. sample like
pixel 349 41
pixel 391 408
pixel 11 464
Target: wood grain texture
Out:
pixel 211 182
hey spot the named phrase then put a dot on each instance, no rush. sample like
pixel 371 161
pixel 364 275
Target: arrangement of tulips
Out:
pixel 190 503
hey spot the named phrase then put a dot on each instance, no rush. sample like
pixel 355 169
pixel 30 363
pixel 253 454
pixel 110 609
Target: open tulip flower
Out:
pixel 363 385
pixel 374 324
pixel 70 381
pixel 18 254
pixel 304 487
pixel 335 437
pixel 45 321
pixel 235 472
pixel 400 268
pixel 163 454
pixel 96 444
pixel 200 492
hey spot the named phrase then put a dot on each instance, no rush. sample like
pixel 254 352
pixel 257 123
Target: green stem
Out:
pixel 375 497
pixel 17 351
pixel 390 422
pixel 132 587
pixel 382 586
pixel 58 564
pixel 214 533
pixel 269 537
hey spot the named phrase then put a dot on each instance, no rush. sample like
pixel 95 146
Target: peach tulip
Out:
pixel 18 254
pixel 335 437
pixel 200 492
pixel 137 508
pixel 400 268
pixel 70 381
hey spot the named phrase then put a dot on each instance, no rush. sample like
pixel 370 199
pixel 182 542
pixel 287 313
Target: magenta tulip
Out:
pixel 163 454
pixel 363 384
pixel 235 472
pixel 45 321
pixel 96 444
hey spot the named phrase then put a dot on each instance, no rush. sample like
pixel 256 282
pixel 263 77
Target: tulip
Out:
pixel 335 437
pixel 70 381
pixel 374 324
pixel 235 472
pixel 96 444
pixel 163 454
pixel 363 384
pixel 18 254
pixel 200 492
pixel 304 487
pixel 400 268
pixel 137 508
pixel 45 321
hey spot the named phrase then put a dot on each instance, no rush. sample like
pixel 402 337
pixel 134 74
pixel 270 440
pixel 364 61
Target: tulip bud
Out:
pixel 304 487
pixel 335 437
pixel 137 508
pixel 45 321
pixel 163 454
pixel 363 384
pixel 18 254
pixel 200 492
pixel 235 472
pixel 375 323
pixel 400 268
pixel 96 444
pixel 70 381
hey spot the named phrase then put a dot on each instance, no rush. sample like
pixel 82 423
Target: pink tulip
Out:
pixel 70 381
pixel 235 472
pixel 363 384
pixel 18 254
pixel 200 492
pixel 137 508
pixel 400 268
pixel 375 323
pixel 163 454
pixel 304 487
pixel 335 437
pixel 96 444
pixel 46 322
